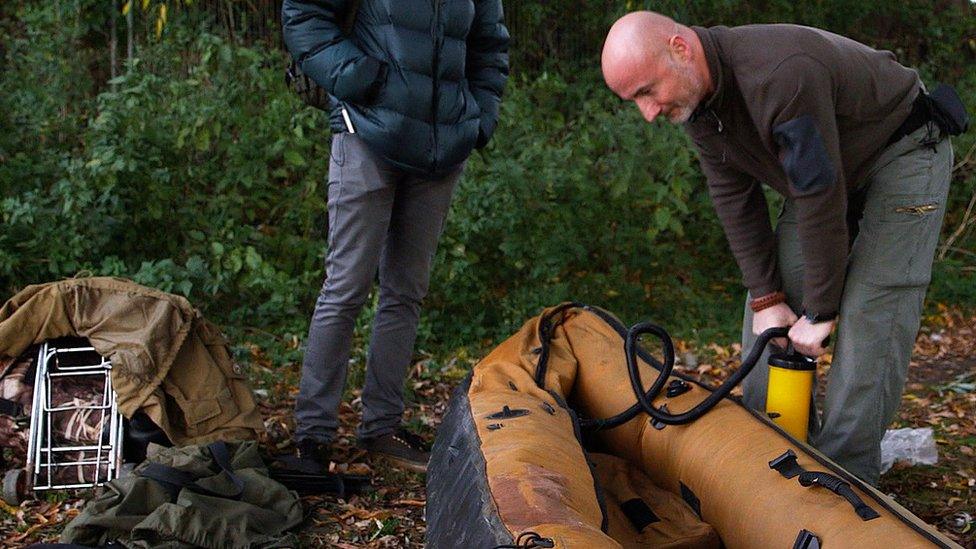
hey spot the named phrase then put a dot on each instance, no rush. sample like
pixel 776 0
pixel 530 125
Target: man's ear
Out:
pixel 679 49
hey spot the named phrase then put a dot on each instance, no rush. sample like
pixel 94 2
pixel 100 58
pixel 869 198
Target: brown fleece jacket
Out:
pixel 806 112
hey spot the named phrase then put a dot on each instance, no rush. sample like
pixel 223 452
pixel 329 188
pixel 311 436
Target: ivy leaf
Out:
pixel 293 158
pixel 252 258
pixel 203 140
pixel 662 218
pixel 184 287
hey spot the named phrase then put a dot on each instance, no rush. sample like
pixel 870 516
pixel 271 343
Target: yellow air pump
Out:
pixel 791 378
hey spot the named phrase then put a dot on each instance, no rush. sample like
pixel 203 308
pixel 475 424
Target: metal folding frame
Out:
pixel 47 454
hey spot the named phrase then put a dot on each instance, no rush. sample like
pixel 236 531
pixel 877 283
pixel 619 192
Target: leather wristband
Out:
pixel 767 301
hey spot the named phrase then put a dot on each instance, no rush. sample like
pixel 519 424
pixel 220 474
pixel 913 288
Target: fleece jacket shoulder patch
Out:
pixel 805 157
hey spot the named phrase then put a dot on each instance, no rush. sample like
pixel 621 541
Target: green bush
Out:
pixel 577 198
pixel 566 34
pixel 197 172
pixel 200 177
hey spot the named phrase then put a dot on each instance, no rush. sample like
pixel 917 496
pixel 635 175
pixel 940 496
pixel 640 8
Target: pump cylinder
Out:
pixel 791 378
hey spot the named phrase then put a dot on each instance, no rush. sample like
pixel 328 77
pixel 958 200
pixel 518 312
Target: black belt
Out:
pixel 921 115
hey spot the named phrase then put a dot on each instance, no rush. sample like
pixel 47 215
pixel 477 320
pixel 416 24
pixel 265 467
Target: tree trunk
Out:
pixel 113 44
pixel 229 13
pixel 130 47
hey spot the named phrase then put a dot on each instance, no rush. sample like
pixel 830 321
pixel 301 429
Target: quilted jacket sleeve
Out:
pixel 487 63
pixel 312 32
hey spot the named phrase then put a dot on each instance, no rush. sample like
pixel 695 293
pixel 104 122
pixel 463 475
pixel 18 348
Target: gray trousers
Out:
pixel 888 272
pixel 380 219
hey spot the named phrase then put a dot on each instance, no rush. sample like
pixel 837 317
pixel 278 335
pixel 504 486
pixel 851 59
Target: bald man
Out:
pixel 849 138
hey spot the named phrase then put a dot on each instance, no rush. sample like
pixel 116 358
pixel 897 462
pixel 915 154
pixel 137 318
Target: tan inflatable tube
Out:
pixel 508 461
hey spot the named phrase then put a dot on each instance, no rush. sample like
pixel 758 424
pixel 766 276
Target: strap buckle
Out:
pixel 786 464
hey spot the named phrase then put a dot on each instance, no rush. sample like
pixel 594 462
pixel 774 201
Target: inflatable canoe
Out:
pixel 544 446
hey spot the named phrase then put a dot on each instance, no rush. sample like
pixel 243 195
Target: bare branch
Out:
pixel 967 219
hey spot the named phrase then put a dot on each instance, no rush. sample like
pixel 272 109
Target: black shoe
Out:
pixel 402 448
pixel 311 456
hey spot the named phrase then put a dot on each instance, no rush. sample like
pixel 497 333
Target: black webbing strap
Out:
pixel 547 329
pixel 840 487
pixel 639 514
pixel 806 540
pixel 109 545
pixel 691 499
pixel 11 408
pixel 174 480
pixel 315 484
pixel 787 466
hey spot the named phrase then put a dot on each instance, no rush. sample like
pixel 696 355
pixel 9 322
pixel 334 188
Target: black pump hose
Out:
pixel 632 349
pixel 646 399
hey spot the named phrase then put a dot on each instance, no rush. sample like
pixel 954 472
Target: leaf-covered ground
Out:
pixel 941 393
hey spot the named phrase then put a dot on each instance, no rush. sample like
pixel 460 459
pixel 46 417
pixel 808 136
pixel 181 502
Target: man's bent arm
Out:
pixel 799 113
pixel 744 213
pixel 312 31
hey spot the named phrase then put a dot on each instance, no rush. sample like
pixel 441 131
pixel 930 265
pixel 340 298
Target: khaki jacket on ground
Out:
pixel 167 360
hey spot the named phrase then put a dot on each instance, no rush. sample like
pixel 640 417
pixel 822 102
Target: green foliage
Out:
pixel 199 173
pixel 577 198
pixel 939 35
pixel 181 180
pixel 954 275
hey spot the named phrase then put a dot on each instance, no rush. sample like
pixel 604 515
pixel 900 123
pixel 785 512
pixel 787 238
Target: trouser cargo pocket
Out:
pixel 903 216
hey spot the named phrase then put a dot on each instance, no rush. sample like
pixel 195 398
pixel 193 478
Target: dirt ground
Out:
pixel 940 393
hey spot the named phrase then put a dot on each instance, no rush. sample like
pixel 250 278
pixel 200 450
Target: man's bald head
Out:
pixel 656 62
pixel 637 37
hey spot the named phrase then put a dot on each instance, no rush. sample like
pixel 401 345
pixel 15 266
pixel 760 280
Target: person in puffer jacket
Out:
pixel 414 86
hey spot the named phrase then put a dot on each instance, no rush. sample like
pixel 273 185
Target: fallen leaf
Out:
pixel 410 502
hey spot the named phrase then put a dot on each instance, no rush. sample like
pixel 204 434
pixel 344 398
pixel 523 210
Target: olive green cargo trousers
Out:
pixel 888 272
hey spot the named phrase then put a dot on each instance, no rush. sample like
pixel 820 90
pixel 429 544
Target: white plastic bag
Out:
pixel 914 446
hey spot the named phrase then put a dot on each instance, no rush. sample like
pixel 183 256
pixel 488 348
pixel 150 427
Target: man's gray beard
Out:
pixel 691 80
pixel 682 115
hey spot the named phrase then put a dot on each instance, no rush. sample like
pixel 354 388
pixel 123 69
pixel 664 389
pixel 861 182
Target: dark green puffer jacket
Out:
pixel 421 80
